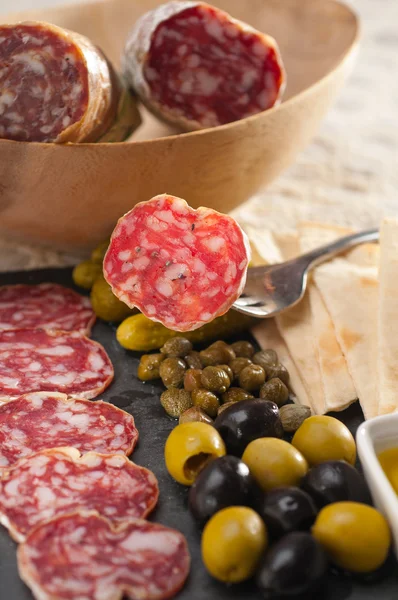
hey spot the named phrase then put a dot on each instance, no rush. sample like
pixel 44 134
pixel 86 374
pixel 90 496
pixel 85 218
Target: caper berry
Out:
pixel 172 372
pixel 215 379
pixel 193 360
pixel 228 371
pixel 235 394
pixel 175 402
pixel 275 390
pixel 266 359
pixel 177 346
pixel 278 371
pixel 192 379
pixel 238 364
pixel 216 354
pixel 148 368
pixel 251 378
pixel 195 414
pixel 243 349
pixel 207 401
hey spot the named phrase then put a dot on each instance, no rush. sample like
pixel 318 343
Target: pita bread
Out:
pixel 388 318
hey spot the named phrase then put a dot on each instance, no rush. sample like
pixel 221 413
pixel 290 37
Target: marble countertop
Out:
pixel 347 175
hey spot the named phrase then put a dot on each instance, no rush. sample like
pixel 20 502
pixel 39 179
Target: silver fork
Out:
pixel 271 289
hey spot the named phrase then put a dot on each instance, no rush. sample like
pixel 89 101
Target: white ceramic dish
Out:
pixel 373 437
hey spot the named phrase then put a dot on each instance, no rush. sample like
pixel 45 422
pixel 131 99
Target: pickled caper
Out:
pixel 85 273
pixel 223 407
pixel 293 416
pixel 177 346
pixel 228 371
pixel 193 360
pixel 237 364
pixel 235 394
pixel 243 349
pixel 195 414
pixel 175 402
pixel 275 390
pixel 172 371
pixel 215 379
pixel 251 378
pixel 278 371
pixel 207 401
pixel 192 379
pixel 148 368
pixel 216 354
pixel 266 358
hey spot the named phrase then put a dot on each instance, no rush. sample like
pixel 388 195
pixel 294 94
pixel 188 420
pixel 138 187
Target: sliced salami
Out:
pixel 33 360
pixel 180 266
pixel 60 481
pixel 56 86
pixel 43 420
pixel 44 306
pixel 195 66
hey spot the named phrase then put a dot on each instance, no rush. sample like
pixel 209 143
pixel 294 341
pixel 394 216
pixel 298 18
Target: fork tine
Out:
pixel 247 300
pixel 253 311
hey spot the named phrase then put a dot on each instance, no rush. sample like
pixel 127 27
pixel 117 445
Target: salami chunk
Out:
pixel 195 66
pixel 44 306
pixel 56 86
pixel 43 420
pixel 83 556
pixel 180 266
pixel 61 481
pixel 33 360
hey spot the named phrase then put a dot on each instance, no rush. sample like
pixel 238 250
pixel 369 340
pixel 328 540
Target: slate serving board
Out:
pixel 142 400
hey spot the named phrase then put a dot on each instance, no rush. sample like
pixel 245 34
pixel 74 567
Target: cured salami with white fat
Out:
pixel 195 66
pixel 180 266
pixel 56 86
pixel 83 556
pixel 42 420
pixel 33 360
pixel 61 481
pixel 44 306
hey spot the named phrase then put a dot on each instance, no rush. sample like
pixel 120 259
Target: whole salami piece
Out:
pixel 82 555
pixel 43 420
pixel 180 266
pixel 56 86
pixel 39 360
pixel 45 306
pixel 195 66
pixel 61 481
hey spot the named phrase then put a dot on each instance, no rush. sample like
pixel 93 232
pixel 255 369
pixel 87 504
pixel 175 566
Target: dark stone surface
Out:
pixel 142 400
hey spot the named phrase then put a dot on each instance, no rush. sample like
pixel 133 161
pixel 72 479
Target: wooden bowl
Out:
pixel 71 196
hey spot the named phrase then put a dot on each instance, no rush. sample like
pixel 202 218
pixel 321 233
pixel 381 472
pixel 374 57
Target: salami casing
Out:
pixel 44 306
pixel 195 66
pixel 180 266
pixel 60 481
pixel 56 86
pixel 33 360
pixel 82 556
pixel 43 420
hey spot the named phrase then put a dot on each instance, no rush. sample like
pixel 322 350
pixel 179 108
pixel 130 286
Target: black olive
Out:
pixel 336 481
pixel 224 482
pixel 246 421
pixel 293 568
pixel 286 509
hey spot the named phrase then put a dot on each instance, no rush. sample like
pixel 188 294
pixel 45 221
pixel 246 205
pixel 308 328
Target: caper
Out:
pixel 192 379
pixel 228 371
pixel 148 368
pixel 238 364
pixel 175 402
pixel 266 358
pixel 172 371
pixel 251 378
pixel 207 401
pixel 215 379
pixel 235 394
pixel 243 349
pixel 223 407
pixel 293 415
pixel 216 354
pixel 275 390
pixel 195 414
pixel 193 360
pixel 177 347
pixel 279 371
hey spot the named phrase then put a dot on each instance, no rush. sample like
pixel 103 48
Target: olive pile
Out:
pixel 272 510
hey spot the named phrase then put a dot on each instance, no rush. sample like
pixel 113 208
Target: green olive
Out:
pixel 266 358
pixel 148 368
pixel 98 254
pixel 251 378
pixel 175 402
pixel 188 449
pixel 321 438
pixel 215 379
pixel 192 379
pixel 105 304
pixel 207 401
pixel 193 360
pixel 177 346
pixel 194 414
pixel 274 463
pixel 172 371
pixel 216 354
pixel 278 371
pixel 228 371
pixel 85 273
pixel 233 542
pixel 275 390
pixel 355 536
pixel 235 394
pixel 243 348
pixel 238 364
